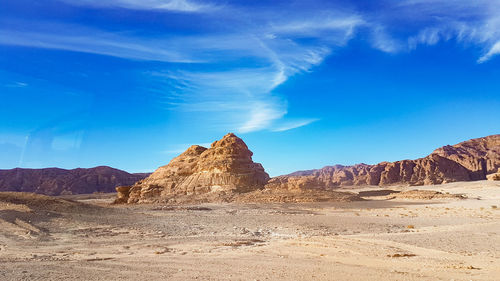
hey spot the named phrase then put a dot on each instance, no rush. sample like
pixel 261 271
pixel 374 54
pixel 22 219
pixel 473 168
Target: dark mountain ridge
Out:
pixel 57 181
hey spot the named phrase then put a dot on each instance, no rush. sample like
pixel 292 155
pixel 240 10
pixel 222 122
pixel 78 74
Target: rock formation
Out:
pixel 225 172
pixel 224 168
pixel 55 181
pixel 469 160
pixel 432 169
pixel 494 176
pixel 481 156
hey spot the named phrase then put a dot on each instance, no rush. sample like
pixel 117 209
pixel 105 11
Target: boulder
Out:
pixel 122 194
pixel 494 176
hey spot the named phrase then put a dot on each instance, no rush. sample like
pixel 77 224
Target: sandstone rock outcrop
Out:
pixel 469 160
pixel 494 176
pixel 55 181
pixel 122 194
pixel 225 167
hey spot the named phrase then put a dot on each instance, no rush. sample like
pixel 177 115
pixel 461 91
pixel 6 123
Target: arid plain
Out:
pixel 421 235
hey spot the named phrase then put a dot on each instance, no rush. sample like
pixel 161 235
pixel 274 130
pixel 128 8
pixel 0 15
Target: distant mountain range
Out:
pixel 56 181
pixel 467 161
pixel 230 167
pixel 226 170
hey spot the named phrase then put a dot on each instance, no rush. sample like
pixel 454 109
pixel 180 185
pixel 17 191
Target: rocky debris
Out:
pixel 55 181
pixel 403 255
pixel 181 208
pixel 424 195
pixel 270 195
pixel 223 169
pixel 39 205
pixel 259 196
pixel 377 192
pixel 494 176
pixel 466 161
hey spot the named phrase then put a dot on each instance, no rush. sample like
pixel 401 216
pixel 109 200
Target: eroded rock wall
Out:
pixel 469 160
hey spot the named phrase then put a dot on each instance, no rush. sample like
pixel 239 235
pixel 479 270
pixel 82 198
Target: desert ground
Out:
pixel 385 237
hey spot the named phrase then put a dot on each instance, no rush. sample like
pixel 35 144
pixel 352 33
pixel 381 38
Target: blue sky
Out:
pixel 133 83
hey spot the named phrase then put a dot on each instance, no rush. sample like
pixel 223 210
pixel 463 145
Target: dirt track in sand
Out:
pixel 378 239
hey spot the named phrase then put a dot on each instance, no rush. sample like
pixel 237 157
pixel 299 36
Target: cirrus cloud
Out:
pixel 167 5
pixel 239 66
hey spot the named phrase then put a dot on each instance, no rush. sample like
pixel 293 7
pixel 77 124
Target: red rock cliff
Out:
pixel 469 160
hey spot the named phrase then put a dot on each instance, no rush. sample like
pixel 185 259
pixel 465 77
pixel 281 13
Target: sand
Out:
pixel 385 237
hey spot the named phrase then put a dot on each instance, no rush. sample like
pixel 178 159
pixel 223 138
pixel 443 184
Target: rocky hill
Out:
pixel 480 156
pixel 226 172
pixel 466 161
pixel 225 167
pixel 55 181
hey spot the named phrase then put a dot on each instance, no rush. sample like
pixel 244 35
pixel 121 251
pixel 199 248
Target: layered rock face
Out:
pixel 55 181
pixel 481 156
pixel 225 167
pixel 469 160
pixel 432 169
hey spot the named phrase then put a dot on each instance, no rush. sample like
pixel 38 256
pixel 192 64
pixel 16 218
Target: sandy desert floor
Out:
pixel 43 238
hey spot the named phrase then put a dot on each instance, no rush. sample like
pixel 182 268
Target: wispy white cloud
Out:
pixel 95 42
pixel 494 50
pixel 242 98
pixel 381 40
pixel 428 36
pixel 168 5
pixel 279 44
pixel 293 124
pixel 336 27
pixel 245 96
pixel 16 85
pixel 427 22
pixel 207 48
pixel 261 116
